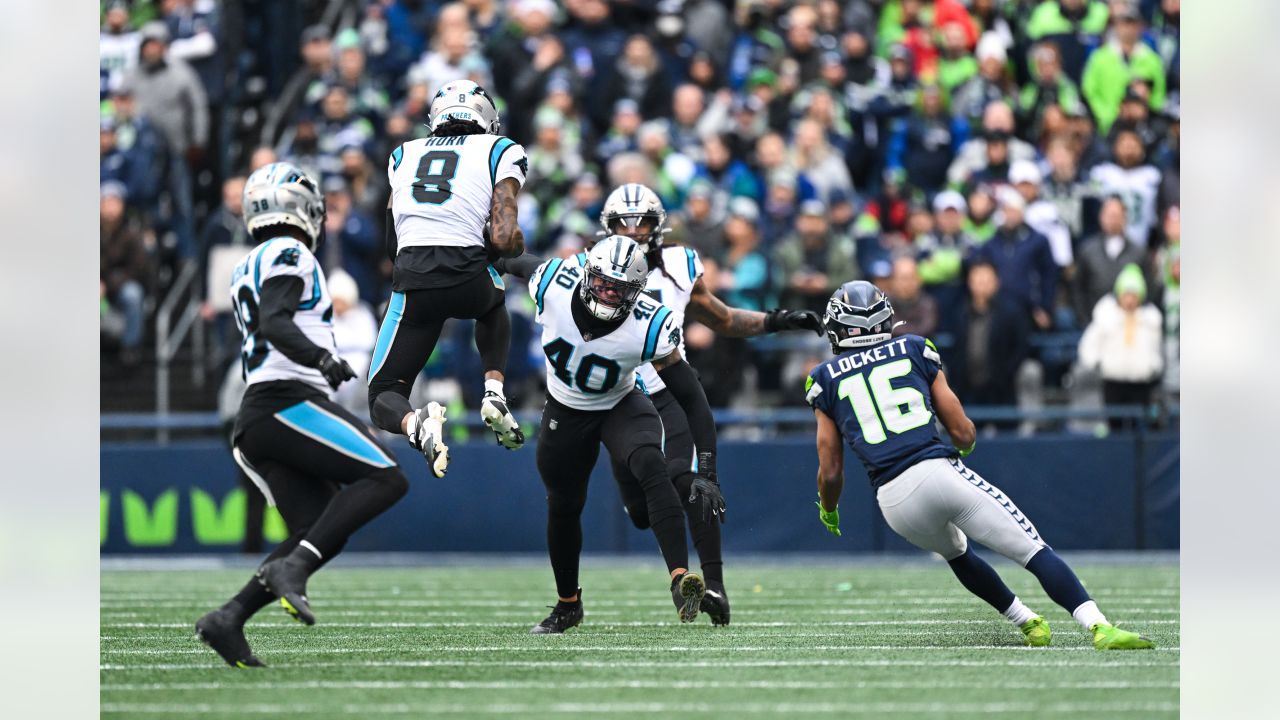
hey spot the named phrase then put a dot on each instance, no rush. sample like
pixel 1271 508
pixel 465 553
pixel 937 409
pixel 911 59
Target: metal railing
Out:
pixel 767 418
pixel 183 297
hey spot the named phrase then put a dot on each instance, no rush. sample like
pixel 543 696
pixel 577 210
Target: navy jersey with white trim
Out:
pixel 879 398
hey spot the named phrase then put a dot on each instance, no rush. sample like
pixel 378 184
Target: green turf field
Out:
pixel 873 639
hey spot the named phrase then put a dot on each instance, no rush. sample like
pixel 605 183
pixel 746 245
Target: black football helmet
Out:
pixel 858 315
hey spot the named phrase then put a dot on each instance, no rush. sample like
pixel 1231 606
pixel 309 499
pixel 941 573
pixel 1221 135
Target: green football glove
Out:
pixel 964 452
pixel 830 519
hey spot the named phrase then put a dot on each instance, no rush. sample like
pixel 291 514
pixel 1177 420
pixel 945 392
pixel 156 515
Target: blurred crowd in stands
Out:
pixel 1006 170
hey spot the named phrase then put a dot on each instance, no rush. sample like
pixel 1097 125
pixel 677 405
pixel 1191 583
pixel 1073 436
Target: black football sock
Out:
pixel 666 515
pixel 564 540
pixel 253 596
pixel 387 408
pixel 981 579
pixel 493 338
pixel 705 532
pixel 1057 579
pixel 349 510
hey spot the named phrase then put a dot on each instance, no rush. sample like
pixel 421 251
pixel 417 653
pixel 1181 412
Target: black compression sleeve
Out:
pixel 683 383
pixel 521 266
pixel 389 239
pixel 275 321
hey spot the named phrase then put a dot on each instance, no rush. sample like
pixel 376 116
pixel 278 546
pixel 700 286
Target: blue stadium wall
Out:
pixel 1083 494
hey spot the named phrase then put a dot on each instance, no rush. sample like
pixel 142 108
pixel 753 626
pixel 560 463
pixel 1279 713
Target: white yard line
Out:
pixel 719 663
pixel 880 708
pixel 292 627
pixel 638 685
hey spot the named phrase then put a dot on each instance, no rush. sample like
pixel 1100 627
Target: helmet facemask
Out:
pixel 608 298
pixel 851 327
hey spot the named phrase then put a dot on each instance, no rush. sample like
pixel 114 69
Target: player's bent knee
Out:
pixel 394 481
pixel 566 504
pixel 648 465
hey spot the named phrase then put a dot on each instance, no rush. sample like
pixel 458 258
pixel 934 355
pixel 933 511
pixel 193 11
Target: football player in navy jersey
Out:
pixel 879 394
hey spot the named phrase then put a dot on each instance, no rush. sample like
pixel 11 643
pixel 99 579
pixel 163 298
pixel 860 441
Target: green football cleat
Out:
pixel 1110 637
pixel 1036 631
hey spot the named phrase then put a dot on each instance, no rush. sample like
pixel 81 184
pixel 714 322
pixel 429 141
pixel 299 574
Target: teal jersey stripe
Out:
pixel 582 259
pixel 315 292
pixel 545 282
pixel 692 270
pixel 655 327
pixel 397 156
pixel 328 429
pixel 387 333
pixel 497 279
pixel 257 265
pixel 495 155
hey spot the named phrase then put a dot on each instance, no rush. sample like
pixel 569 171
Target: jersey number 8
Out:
pixel 435 170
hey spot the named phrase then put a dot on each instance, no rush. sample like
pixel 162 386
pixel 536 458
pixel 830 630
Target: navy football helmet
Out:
pixel 858 315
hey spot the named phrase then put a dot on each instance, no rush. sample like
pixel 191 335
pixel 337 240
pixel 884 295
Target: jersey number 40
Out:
pixel 878 405
pixel 560 354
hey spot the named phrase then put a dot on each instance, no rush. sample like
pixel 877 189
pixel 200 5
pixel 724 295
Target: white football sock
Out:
pixel 494 386
pixel 1018 613
pixel 1089 615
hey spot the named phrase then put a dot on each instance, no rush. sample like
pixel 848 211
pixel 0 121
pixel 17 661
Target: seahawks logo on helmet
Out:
pixel 858 314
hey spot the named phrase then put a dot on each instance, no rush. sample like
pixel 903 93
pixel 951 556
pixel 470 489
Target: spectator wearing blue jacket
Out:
pixel 1023 261
pixel 925 142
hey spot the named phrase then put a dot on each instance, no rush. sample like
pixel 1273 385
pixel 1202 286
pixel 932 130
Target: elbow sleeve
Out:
pixel 683 384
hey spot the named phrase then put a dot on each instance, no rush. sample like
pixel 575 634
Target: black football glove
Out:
pixel 335 370
pixel 705 491
pixel 779 319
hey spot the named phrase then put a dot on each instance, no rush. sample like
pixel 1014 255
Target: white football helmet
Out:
pixel 637 212
pixel 467 101
pixel 282 194
pixel 616 275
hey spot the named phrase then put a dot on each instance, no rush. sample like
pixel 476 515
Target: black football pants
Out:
pixel 568 445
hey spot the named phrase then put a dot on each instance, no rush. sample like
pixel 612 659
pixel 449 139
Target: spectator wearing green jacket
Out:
pixel 1123 59
pixel 1049 86
pixel 1074 26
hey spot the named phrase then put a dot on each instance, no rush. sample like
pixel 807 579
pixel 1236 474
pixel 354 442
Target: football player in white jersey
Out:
pixel 1131 177
pixel 313 460
pixel 675 280
pixel 452 211
pixel 596 331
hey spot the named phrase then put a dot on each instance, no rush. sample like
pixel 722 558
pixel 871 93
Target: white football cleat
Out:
pixel 426 434
pixel 494 412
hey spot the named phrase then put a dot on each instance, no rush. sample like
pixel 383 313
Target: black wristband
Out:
pixel 771 320
pixel 706 463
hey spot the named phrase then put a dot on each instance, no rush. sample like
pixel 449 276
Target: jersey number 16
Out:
pixel 877 393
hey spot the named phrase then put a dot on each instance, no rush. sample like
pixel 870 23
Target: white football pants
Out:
pixel 939 504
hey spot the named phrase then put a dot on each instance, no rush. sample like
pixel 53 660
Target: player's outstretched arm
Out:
pixel 683 383
pixel 961 429
pixel 504 217
pixel 279 301
pixel 523 266
pixel 830 472
pixel 711 311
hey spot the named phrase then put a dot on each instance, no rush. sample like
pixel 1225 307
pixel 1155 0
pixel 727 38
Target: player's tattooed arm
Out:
pixel 830 462
pixel 505 233
pixel 709 310
pixel 961 429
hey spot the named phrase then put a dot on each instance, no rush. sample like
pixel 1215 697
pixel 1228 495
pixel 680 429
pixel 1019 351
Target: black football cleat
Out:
pixel 225 635
pixel 287 579
pixel 687 591
pixel 564 615
pixel 715 603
